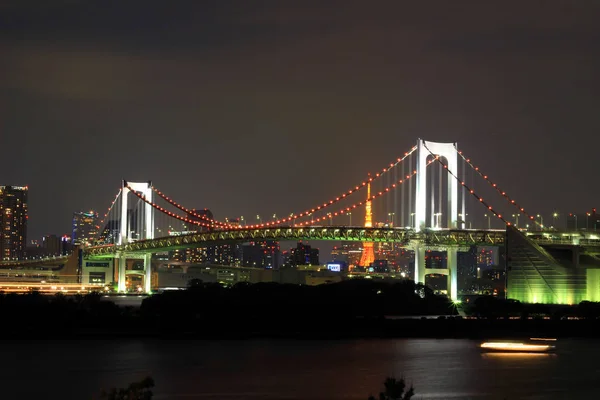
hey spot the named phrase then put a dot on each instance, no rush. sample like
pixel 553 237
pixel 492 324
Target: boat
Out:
pixel 534 345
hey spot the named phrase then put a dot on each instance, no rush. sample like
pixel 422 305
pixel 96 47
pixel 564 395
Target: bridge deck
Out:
pixel 406 237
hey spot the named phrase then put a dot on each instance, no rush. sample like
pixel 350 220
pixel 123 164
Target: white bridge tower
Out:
pixel 448 151
pixel 125 237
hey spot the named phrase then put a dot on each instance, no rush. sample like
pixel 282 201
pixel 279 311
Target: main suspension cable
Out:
pixel 501 192
pixel 490 208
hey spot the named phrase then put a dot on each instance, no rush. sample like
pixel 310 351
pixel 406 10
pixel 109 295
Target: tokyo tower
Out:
pixel 367 257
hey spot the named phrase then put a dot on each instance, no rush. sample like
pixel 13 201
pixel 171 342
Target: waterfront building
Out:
pixel 85 227
pixel 13 222
pixel 304 254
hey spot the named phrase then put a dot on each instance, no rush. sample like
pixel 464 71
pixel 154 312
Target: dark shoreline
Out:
pixel 476 329
pixel 346 310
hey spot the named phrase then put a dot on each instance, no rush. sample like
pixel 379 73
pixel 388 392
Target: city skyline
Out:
pixel 308 198
pixel 583 219
pixel 100 102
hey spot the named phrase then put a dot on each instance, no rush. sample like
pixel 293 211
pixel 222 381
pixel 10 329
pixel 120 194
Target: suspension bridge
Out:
pixel 431 194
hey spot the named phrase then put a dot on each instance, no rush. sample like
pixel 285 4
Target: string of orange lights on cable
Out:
pixel 101 223
pixel 295 216
pixel 173 215
pixel 501 192
pixel 188 211
pixel 340 212
pixel 471 191
pixel 360 203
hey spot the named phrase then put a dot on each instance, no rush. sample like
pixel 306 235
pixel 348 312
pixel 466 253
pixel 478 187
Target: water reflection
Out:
pixel 522 356
pixel 297 370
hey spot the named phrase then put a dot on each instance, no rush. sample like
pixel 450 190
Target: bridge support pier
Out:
pixel 148 272
pixel 419 264
pixel 452 265
pixel 122 260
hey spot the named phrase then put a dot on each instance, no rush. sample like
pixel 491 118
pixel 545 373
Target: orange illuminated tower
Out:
pixel 367 257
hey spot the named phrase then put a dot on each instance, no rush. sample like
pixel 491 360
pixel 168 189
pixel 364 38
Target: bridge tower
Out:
pixel 449 151
pixel 147 218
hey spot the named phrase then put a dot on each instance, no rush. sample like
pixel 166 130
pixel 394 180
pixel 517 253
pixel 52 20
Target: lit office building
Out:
pixel 51 245
pixel 304 254
pixel 262 254
pixel 85 227
pixel 13 222
pixel 201 215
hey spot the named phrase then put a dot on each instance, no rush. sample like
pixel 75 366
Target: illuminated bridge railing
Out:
pixel 567 242
pixel 46 261
pixel 241 235
pixel 462 237
pixel 404 237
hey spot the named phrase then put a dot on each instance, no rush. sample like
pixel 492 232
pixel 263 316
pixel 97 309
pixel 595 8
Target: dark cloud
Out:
pixel 216 101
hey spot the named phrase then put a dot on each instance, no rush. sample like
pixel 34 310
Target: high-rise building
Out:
pixel 262 254
pixel 109 233
pixel 13 220
pixel 304 254
pixel 85 227
pixel 436 259
pixel 198 255
pixel 487 256
pixel 66 245
pixel 202 215
pixel 467 270
pixel 233 222
pixel 227 254
pixel 348 252
pixel 51 245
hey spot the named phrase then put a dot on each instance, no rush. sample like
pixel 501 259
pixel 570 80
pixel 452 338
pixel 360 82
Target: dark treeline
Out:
pixel 287 302
pixel 354 308
pixel 493 307
pixel 215 310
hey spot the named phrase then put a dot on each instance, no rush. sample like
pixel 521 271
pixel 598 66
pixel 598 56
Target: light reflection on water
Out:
pixel 298 370
pixel 518 356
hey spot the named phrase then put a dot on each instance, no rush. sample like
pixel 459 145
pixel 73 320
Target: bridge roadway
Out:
pixel 47 262
pixel 430 238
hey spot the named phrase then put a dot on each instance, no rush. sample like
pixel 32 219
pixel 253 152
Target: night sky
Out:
pixel 254 107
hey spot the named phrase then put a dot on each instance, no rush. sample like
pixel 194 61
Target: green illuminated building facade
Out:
pixel 550 273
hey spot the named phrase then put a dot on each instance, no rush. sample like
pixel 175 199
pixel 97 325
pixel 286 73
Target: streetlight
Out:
pixel 463 219
pixel 436 219
pixel 329 215
pixel 587 218
pixel 259 219
pixel 541 222
pixel 574 216
pixel 516 217
pixel 412 220
pixel 242 220
pixel 391 215
pixel 555 218
pixel 350 216
pixel 489 220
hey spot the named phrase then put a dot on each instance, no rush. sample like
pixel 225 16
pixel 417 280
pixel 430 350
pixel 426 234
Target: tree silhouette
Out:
pixel 136 391
pixel 394 389
pixel 194 283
